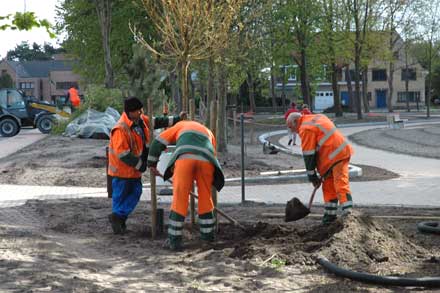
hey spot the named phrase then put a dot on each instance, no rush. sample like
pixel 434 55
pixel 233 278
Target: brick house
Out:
pixel 377 84
pixel 45 80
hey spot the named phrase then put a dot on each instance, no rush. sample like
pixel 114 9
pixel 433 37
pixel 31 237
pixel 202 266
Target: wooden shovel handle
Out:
pixel 312 196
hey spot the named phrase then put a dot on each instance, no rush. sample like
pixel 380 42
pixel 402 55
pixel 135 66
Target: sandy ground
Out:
pixel 67 245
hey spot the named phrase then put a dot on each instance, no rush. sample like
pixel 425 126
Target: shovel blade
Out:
pixel 295 210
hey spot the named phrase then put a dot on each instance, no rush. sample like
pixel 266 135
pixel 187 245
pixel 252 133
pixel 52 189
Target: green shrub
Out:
pixel 99 98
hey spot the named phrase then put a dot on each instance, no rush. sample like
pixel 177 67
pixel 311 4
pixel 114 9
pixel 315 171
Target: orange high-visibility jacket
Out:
pixel 74 97
pixel 190 137
pixel 322 144
pixel 126 142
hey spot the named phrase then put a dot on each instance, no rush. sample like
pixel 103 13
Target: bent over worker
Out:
pixel 128 152
pixel 193 159
pixel 327 151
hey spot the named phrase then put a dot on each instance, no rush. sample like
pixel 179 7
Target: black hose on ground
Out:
pixel 379 280
pixel 429 227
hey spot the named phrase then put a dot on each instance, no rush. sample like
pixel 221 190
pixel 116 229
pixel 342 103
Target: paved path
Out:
pixel 26 136
pixel 417 186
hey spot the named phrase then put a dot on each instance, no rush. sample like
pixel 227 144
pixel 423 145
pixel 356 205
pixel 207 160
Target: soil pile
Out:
pixel 358 242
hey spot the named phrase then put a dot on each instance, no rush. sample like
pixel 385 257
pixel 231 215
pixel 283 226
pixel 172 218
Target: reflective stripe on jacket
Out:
pixel 125 148
pixel 322 144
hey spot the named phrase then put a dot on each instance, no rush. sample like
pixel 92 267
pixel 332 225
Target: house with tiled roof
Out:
pixel 45 80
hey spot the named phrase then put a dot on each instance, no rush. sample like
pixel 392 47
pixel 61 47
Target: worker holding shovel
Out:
pixel 193 159
pixel 128 151
pixel 327 151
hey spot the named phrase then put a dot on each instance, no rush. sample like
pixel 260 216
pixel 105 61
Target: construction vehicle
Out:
pixel 17 110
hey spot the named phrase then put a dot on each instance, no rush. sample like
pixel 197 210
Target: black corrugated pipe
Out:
pixel 379 280
pixel 429 227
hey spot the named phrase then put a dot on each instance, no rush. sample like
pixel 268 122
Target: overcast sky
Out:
pixel 42 8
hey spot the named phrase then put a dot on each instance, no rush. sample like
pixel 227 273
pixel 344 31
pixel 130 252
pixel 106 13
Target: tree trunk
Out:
pixel 175 93
pixel 357 86
pixel 365 89
pixel 351 101
pixel 210 89
pixel 390 86
pixel 104 12
pixel 406 78
pixel 250 82
pixel 428 99
pixel 184 64
pixel 283 91
pixel 221 115
pixel 335 87
pixel 192 86
pixel 305 86
pixel 272 89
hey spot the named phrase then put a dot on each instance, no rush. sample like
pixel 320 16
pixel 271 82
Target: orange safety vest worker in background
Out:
pixel 128 151
pixel 193 159
pixel 74 97
pixel 325 149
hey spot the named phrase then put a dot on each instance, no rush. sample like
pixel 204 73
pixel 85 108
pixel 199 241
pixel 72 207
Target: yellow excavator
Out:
pixel 17 110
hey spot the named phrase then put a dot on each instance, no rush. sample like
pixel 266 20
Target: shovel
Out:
pixel 296 210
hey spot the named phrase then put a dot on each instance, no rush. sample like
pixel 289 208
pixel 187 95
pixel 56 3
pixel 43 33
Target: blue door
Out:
pixel 345 98
pixel 381 98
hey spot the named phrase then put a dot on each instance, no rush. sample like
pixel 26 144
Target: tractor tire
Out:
pixel 9 127
pixel 45 124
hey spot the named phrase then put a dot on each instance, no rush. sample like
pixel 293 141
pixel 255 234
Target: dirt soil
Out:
pixel 65 161
pixel 67 245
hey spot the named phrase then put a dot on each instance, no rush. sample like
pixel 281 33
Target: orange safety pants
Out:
pixel 185 172
pixel 336 185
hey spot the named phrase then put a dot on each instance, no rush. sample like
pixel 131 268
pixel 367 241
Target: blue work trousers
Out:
pixel 125 196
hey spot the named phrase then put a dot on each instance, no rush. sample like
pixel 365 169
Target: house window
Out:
pixel 4 72
pixel 410 74
pixel 379 74
pixel 412 97
pixel 66 85
pixel 26 85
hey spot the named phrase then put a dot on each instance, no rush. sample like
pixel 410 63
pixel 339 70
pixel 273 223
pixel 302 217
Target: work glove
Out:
pixel 143 166
pixel 316 181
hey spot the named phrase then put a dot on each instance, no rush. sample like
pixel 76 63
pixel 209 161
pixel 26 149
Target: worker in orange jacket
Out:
pixel 74 98
pixel 193 159
pixel 327 151
pixel 128 151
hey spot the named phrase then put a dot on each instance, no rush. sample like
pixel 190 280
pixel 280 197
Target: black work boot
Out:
pixel 118 224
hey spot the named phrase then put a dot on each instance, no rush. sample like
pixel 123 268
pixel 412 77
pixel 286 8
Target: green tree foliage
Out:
pixel 299 19
pixel 25 21
pixel 145 76
pixel 6 81
pixel 78 20
pixel 25 52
